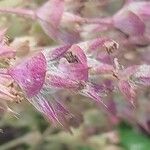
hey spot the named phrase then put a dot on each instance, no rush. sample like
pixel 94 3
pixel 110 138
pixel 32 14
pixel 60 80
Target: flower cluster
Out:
pixel 92 68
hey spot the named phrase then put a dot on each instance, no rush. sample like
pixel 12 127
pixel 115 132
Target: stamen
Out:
pixel 18 95
pixel 111 46
pixel 71 58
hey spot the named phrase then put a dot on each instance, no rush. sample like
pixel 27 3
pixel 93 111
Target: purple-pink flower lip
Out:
pixel 30 74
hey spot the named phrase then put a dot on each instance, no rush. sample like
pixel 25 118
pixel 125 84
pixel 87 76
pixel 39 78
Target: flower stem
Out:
pixel 19 11
pixel 75 18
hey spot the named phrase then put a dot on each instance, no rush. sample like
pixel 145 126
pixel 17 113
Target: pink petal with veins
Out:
pixel 128 90
pixel 51 12
pixel 129 23
pixel 97 44
pixel 60 81
pixel 95 92
pixel 76 50
pixel 77 70
pixel 104 57
pixel 141 8
pixel 49 16
pixel 53 110
pixel 30 74
pixel 58 52
pixel 74 71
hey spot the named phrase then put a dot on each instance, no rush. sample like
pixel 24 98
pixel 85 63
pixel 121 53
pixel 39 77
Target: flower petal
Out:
pixel 30 74
pixel 57 52
pixel 53 110
pixel 75 64
pixel 76 72
pixel 77 51
pixel 62 81
pixel 49 16
pixel 128 90
pixel 95 92
pixel 141 8
pixel 129 23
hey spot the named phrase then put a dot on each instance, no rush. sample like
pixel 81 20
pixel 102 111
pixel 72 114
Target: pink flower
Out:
pixel 141 8
pixel 40 80
pixel 132 20
pixel 45 73
pixel 49 15
pixel 30 74
pixel 75 64
pixel 124 81
pixel 128 22
pixel 38 83
pixel 90 68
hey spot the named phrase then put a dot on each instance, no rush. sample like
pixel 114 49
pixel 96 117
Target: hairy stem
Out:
pixel 75 18
pixel 19 11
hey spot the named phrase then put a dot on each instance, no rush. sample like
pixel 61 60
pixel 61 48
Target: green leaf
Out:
pixel 132 140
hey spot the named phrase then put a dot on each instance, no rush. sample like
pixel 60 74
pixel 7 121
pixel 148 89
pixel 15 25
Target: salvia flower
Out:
pixel 80 68
pixel 132 20
pixel 49 16
pixel 43 74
